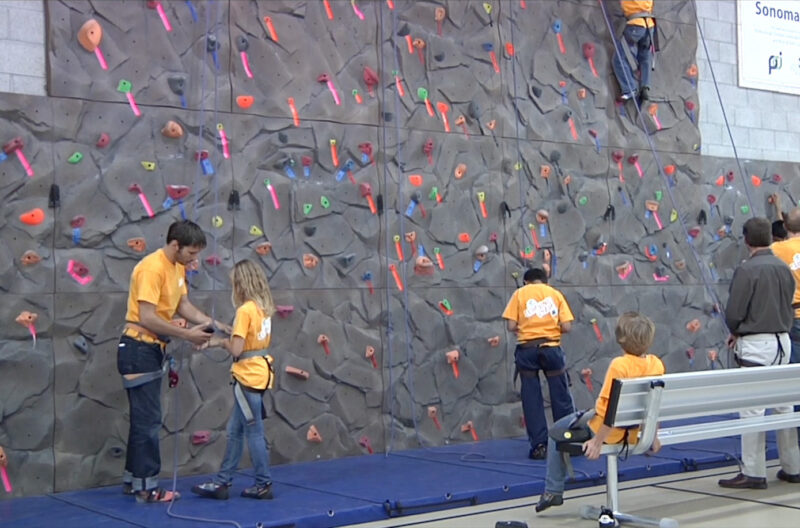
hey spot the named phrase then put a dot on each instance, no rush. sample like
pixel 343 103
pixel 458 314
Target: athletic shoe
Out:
pixel 211 490
pixel 263 491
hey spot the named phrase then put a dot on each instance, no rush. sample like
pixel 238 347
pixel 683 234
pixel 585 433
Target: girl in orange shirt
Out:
pixel 252 374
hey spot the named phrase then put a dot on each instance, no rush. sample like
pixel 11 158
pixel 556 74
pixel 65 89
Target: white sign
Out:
pixel 769 45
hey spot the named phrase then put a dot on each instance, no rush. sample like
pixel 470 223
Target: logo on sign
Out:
pixel 775 62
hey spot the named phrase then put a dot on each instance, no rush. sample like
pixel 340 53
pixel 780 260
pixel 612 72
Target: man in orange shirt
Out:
pixel 538 314
pixel 789 252
pixel 634 333
pixel 157 292
pixel 638 37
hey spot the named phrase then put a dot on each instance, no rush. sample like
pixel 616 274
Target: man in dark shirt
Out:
pixel 759 315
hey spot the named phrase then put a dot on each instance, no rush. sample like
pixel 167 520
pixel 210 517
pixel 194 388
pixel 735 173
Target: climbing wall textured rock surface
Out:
pixel 335 103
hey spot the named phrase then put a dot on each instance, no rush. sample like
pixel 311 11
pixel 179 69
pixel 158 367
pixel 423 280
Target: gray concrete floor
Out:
pixel 693 499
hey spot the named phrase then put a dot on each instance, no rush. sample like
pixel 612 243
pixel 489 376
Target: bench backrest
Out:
pixel 706 393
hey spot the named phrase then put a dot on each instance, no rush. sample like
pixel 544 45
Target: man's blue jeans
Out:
pixel 238 428
pixel 142 458
pixel 794 336
pixel 556 469
pixel 529 362
pixel 637 38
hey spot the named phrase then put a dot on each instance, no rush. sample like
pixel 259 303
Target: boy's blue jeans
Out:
pixel 546 359
pixel 556 469
pixel 637 38
pixel 256 443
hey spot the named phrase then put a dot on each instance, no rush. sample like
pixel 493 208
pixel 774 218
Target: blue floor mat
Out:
pixel 366 488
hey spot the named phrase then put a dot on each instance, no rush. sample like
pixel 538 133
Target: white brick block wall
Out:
pixel 761 122
pixel 22 39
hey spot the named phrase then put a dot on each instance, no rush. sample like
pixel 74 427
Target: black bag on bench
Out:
pixel 570 439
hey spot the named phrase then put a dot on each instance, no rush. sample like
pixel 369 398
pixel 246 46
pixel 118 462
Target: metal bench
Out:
pixel 645 402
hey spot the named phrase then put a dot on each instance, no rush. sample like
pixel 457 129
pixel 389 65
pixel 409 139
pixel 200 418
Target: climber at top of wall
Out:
pixel 636 50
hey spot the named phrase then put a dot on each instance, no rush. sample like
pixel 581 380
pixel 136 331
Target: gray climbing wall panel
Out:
pixel 511 144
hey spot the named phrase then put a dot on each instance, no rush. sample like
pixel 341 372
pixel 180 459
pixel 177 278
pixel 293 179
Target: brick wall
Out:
pixel 762 123
pixel 22 40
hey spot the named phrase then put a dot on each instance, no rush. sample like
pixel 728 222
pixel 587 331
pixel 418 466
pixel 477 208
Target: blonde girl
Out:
pixel 252 375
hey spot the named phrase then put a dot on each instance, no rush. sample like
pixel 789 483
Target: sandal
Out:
pixel 157 495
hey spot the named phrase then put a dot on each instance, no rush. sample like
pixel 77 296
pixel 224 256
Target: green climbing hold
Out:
pixel 75 158
pixel 659 195
pixel 583 200
pixel 446 304
pixel 324 202
pixel 436 251
pixel 307 208
pixel 745 209
pixel 124 86
pixel 433 193
pixel 422 93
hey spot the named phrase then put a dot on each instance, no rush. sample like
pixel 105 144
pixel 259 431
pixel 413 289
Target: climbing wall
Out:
pixel 395 166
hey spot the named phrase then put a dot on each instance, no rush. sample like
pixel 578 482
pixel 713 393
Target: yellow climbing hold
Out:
pixel 256 231
pixel 217 221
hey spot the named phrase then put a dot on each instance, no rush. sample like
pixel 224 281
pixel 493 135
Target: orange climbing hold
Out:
pixel 310 261
pixel 669 170
pixel 137 244
pixel 693 325
pixel 245 101
pixel 172 130
pixel 90 34
pixel 415 179
pixel 263 248
pixel 756 180
pixel 494 341
pixel 452 359
pixel 469 428
pixel 32 217
pixel 464 237
pixel 460 171
pixel 313 435
pixel 30 258
pixel 296 372
pixel 26 318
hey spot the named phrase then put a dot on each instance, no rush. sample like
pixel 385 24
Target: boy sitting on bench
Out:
pixel 634 333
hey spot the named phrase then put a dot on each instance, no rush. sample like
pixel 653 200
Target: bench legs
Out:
pixel 612 499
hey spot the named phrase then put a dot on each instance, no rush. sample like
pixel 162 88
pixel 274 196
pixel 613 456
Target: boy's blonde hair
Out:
pixel 635 333
pixel 250 284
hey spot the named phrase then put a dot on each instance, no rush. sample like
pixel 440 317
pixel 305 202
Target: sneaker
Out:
pixel 606 519
pixel 127 488
pixel 644 94
pixel 742 481
pixel 627 96
pixel 787 477
pixel 547 500
pixel 263 491
pixel 211 490
pixel 538 453
pixel 156 495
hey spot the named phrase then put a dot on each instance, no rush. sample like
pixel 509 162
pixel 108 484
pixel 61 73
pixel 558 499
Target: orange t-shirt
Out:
pixel 157 281
pixel 539 310
pixel 623 367
pixel 789 252
pixel 252 325
pixel 632 7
